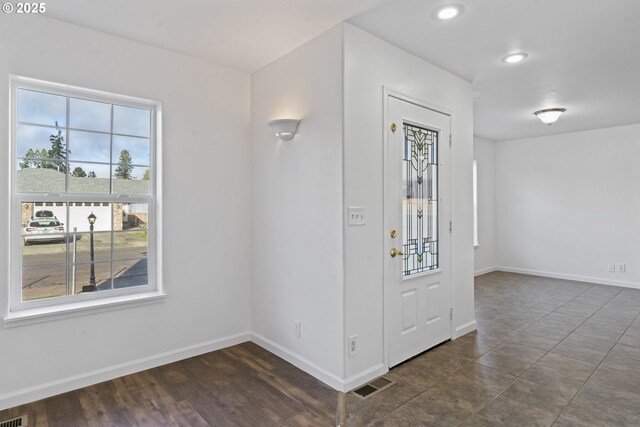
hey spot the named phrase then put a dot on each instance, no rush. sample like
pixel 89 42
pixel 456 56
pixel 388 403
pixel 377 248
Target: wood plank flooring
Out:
pixel 243 385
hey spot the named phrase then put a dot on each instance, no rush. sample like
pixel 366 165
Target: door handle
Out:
pixel 393 252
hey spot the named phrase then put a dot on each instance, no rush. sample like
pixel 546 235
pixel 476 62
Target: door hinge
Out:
pixel 451 314
pixel 450 140
pixel 450 226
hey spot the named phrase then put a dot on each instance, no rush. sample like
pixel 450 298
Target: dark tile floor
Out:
pixel 547 352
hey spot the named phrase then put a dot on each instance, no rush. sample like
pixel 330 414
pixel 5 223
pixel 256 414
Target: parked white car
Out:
pixel 43 229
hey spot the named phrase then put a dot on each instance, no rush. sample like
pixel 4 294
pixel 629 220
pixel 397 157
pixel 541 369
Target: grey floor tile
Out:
pixel 475 421
pixel 552 334
pixel 394 420
pixel 582 353
pixel 433 411
pixel 622 401
pixel 466 395
pixel 534 341
pixel 361 412
pixel 630 340
pixel 544 331
pixel 589 342
pixel 592 413
pixel 560 372
pixel 465 347
pixel 397 395
pixel 508 412
pixel 511 358
pixel 538 396
pixel 483 376
pixel 622 379
pixel 577 309
pixel 563 422
pixel 604 332
pixel 415 375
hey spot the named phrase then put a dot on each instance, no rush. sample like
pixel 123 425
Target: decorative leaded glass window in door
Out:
pixel 420 200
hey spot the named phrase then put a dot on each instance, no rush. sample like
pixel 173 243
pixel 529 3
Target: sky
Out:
pixel 84 145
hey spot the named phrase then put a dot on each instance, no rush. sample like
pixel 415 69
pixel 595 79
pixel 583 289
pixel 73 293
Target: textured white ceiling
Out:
pixel 584 55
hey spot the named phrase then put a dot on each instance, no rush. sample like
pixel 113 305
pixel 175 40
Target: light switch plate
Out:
pixel 357 215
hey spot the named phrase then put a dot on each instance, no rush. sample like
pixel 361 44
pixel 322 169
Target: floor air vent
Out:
pixel 16 422
pixel 369 389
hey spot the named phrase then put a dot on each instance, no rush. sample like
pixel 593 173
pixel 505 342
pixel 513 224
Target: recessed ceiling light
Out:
pixel 448 11
pixel 513 58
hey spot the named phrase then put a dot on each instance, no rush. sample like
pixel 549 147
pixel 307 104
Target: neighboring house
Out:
pixel 125 215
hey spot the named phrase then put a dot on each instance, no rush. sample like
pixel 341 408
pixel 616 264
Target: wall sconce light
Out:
pixel 285 129
pixel 550 115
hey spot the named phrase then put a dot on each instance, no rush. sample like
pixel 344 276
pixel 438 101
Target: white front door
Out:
pixel 417 264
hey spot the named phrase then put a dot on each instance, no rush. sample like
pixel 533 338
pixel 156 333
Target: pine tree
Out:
pixel 58 152
pixel 124 169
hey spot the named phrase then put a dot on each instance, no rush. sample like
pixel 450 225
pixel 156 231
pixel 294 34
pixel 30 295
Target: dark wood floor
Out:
pixel 243 385
pixel 547 352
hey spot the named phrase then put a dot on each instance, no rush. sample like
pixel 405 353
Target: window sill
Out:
pixel 65 311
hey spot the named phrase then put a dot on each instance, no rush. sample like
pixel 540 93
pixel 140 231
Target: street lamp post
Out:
pixel 92 278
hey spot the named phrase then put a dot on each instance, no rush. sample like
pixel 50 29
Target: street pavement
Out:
pixel 47 267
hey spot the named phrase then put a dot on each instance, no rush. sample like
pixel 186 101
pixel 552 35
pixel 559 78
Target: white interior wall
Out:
pixel 567 205
pixel 370 64
pixel 297 254
pixel 484 153
pixel 207 172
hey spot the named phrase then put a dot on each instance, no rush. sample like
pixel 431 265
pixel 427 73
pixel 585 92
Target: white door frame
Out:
pixel 430 105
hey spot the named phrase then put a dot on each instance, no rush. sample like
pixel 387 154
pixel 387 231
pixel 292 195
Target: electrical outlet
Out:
pixel 353 345
pixel 297 326
pixel 622 268
pixel 612 268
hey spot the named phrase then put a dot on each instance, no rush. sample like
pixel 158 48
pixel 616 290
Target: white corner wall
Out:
pixel 569 204
pixel 484 153
pixel 370 64
pixel 297 253
pixel 207 173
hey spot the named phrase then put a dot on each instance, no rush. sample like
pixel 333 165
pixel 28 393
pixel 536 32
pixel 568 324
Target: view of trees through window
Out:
pixel 75 161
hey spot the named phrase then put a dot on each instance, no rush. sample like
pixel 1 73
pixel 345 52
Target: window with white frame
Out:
pixel 83 195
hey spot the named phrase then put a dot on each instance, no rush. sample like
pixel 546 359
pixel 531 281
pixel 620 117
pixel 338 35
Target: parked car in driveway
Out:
pixel 43 230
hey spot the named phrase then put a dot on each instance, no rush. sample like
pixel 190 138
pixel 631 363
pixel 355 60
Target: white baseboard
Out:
pixel 31 394
pixel 364 377
pixel 465 329
pixel 315 371
pixel 485 271
pixel 575 277
pixel 299 362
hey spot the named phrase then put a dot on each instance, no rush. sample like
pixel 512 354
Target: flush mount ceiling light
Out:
pixel 285 129
pixel 550 115
pixel 447 12
pixel 513 58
